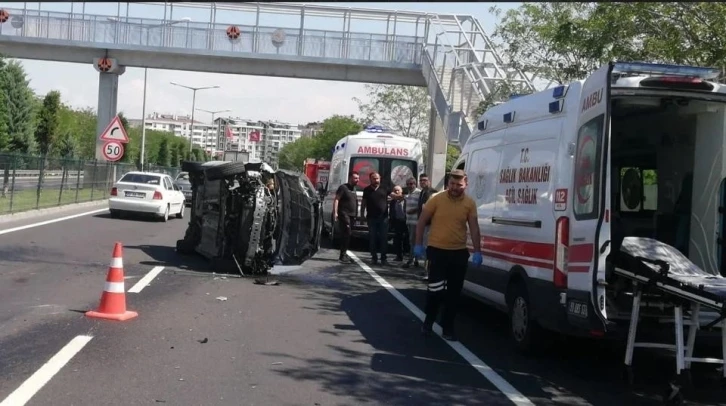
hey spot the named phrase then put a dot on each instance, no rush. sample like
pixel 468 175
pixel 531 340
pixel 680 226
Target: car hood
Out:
pixel 299 220
pixel 184 184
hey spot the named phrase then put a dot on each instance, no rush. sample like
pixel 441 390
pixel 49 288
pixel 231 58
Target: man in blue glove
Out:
pixel 450 212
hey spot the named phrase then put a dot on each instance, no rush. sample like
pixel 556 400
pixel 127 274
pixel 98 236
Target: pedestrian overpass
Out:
pixel 450 55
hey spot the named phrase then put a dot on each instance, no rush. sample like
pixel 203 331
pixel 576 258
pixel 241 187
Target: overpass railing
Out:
pixel 29 182
pixel 462 68
pixel 211 37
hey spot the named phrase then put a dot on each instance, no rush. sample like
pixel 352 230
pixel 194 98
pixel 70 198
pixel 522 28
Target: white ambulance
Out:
pixel 394 157
pixel 561 176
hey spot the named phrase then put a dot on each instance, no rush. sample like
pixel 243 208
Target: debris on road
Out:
pixel 203 341
pixel 222 298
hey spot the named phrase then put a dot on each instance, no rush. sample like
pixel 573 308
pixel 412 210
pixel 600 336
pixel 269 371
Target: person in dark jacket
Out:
pixel 344 209
pixel 397 222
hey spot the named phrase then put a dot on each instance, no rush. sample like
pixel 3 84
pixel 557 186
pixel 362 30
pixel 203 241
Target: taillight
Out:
pixel 562 246
pixel 676 82
pixel 158 196
pixel 114 191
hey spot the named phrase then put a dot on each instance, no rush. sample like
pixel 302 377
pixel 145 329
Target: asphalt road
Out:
pixel 328 334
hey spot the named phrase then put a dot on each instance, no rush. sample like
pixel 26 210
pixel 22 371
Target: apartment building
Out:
pixel 262 139
pixel 310 130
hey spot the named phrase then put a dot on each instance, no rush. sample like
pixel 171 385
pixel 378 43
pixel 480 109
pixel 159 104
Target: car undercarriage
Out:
pixel 246 217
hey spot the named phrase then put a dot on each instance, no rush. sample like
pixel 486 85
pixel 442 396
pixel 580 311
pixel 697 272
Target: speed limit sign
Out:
pixel 113 150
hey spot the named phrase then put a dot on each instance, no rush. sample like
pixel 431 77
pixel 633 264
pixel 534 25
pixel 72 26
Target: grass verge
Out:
pixel 24 200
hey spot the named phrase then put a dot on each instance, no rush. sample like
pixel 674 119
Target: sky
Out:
pixel 300 102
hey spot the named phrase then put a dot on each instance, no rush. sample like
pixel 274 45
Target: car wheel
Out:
pixel 225 170
pixel 180 215
pixel 165 217
pixel 525 331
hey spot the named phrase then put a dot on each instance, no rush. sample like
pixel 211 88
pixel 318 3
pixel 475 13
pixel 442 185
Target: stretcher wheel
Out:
pixel 672 395
pixel 629 375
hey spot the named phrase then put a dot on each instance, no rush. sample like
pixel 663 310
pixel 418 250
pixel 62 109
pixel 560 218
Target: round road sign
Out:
pixel 113 150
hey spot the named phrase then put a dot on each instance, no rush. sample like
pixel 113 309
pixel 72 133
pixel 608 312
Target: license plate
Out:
pixel 577 308
pixel 136 194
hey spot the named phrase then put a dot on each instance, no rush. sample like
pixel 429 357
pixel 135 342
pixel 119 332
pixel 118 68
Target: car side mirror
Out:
pixel 176 187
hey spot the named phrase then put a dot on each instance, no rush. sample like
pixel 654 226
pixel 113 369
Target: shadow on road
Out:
pixel 570 371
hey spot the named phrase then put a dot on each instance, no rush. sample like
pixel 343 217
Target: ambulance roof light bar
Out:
pixel 641 68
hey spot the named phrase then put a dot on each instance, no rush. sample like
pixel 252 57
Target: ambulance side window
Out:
pixel 586 196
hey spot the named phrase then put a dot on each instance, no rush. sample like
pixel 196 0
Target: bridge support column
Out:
pixel 107 104
pixel 436 160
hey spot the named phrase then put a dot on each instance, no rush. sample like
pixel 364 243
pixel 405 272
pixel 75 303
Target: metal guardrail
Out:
pixel 64 181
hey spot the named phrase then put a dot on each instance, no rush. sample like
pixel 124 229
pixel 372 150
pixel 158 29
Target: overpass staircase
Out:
pixel 462 68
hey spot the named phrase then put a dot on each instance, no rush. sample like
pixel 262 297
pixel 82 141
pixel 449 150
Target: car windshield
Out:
pixel 140 178
pixel 182 176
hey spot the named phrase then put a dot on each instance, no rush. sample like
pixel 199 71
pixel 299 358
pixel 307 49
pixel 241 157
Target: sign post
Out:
pixel 113 136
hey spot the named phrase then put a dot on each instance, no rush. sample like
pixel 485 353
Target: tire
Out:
pixel 165 216
pixel 525 332
pixel 191 166
pixel 180 215
pixel 225 170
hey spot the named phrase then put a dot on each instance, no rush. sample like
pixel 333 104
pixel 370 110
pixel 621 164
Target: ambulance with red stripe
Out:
pixel 394 157
pixel 561 176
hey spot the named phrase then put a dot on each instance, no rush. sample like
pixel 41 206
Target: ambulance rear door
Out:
pixel 589 235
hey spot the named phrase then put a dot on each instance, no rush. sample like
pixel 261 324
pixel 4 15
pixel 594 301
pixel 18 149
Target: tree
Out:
pixel 334 128
pixel 404 109
pixel 47 130
pixel 19 98
pixel 174 154
pixel 162 158
pixel 562 42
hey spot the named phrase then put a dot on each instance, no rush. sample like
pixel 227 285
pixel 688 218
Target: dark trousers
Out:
pixel 378 237
pixel 345 224
pixel 447 270
pixel 401 243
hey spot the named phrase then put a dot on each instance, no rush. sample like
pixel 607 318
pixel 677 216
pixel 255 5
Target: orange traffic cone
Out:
pixel 113 299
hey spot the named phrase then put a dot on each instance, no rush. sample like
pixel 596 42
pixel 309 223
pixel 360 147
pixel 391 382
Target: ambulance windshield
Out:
pixel 393 171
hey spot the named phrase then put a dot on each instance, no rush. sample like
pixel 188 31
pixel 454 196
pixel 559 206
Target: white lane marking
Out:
pixel 146 279
pixel 43 223
pixel 505 387
pixel 32 385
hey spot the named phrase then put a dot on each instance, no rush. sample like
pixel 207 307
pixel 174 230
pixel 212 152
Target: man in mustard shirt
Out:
pixel 449 213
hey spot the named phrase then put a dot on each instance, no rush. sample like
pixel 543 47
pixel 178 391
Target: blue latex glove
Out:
pixel 419 251
pixel 476 258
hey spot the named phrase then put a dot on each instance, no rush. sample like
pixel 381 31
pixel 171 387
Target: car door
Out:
pixel 300 218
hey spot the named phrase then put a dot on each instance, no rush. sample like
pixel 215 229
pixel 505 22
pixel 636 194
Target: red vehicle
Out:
pixel 317 171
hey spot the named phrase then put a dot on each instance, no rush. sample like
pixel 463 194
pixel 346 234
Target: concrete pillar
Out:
pixel 436 161
pixel 107 104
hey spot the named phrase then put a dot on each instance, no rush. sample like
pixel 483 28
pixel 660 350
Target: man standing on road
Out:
pixel 449 212
pixel 426 192
pixel 344 209
pixel 411 197
pixel 375 201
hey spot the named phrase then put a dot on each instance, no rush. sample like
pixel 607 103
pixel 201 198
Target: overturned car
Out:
pixel 247 217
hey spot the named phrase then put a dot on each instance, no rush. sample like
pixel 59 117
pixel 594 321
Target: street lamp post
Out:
pixel 194 102
pixel 214 113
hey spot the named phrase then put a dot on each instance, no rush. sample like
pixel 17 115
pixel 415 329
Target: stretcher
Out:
pixel 664 274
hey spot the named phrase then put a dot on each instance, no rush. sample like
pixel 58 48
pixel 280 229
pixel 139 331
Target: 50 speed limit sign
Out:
pixel 113 150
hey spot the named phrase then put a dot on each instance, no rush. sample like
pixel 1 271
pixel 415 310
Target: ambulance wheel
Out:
pixel 525 331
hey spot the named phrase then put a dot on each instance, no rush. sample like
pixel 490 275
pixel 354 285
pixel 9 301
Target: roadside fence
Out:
pixel 31 182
